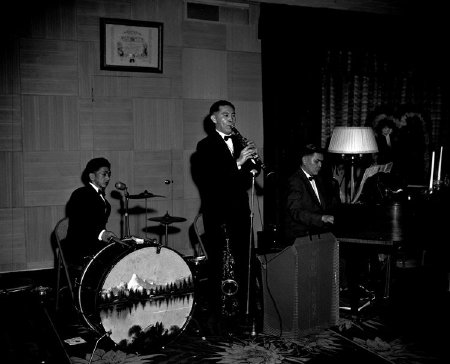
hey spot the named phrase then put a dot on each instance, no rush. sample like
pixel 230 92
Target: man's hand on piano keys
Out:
pixel 328 219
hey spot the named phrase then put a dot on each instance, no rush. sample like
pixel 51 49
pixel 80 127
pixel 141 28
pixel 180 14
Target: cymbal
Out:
pixel 144 194
pixel 167 219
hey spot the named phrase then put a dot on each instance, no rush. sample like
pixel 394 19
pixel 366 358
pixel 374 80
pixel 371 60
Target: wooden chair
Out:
pixel 201 266
pixel 199 229
pixel 60 232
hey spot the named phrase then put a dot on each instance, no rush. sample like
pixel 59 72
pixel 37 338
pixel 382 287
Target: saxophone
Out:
pixel 229 285
pixel 244 141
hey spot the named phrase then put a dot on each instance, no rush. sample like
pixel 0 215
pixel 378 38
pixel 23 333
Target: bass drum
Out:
pixel 141 297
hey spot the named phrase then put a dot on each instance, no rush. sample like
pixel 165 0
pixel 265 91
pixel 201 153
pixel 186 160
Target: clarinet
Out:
pixel 244 141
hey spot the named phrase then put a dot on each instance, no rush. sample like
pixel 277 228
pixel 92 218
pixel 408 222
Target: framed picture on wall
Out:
pixel 131 45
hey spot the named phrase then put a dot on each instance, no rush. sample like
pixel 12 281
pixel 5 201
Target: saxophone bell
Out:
pixel 229 287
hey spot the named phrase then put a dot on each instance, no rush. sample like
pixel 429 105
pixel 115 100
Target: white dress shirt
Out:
pixel 229 141
pixel 313 184
pixel 99 237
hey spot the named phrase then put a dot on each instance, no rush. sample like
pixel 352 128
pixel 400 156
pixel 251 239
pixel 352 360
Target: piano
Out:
pixel 411 217
pixel 411 228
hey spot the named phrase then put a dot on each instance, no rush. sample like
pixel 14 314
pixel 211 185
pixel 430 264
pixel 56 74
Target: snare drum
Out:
pixel 141 297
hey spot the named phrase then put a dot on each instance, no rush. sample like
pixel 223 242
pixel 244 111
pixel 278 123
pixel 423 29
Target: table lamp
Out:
pixel 352 141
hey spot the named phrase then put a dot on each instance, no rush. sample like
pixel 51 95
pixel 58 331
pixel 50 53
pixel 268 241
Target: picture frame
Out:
pixel 131 45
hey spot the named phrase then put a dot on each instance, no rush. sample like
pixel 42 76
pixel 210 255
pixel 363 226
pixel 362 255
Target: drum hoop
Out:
pixel 129 251
pixel 158 249
pixel 80 286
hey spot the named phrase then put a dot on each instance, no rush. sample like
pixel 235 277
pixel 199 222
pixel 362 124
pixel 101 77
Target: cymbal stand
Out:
pixel 127 217
pixel 250 250
pixel 166 241
pixel 146 218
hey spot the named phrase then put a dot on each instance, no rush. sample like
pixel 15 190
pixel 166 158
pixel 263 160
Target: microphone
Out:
pixel 120 186
pixel 117 241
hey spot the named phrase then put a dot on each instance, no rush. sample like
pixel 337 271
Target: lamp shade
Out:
pixel 353 140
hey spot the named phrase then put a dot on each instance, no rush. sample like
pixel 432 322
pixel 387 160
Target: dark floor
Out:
pixel 32 332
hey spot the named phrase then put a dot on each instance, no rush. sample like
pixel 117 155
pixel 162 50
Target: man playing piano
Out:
pixel 312 199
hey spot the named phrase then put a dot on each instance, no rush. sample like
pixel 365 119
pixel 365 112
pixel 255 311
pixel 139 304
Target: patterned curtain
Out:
pixel 357 82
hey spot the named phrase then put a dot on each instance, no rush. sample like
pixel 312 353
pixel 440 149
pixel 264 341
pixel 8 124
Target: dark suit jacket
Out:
pixel 88 215
pixel 303 210
pixel 222 186
pixel 385 152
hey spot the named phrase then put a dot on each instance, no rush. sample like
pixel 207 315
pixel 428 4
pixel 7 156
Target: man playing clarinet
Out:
pixel 223 171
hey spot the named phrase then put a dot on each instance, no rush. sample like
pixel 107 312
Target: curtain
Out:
pixel 322 68
pixel 358 83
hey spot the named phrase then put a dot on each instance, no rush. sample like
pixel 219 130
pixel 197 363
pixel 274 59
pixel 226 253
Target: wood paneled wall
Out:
pixel 58 110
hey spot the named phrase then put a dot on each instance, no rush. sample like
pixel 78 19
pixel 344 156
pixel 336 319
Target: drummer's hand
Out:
pixel 108 235
pixel 137 240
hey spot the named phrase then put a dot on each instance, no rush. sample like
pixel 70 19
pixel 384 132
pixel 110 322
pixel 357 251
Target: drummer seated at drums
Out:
pixel 88 211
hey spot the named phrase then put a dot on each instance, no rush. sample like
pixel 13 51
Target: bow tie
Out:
pixel 226 137
pixel 101 192
pixel 312 178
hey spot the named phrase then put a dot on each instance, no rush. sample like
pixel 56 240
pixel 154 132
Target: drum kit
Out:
pixel 138 293
pixel 166 220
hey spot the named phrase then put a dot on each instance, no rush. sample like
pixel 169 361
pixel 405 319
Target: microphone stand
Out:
pixel 250 250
